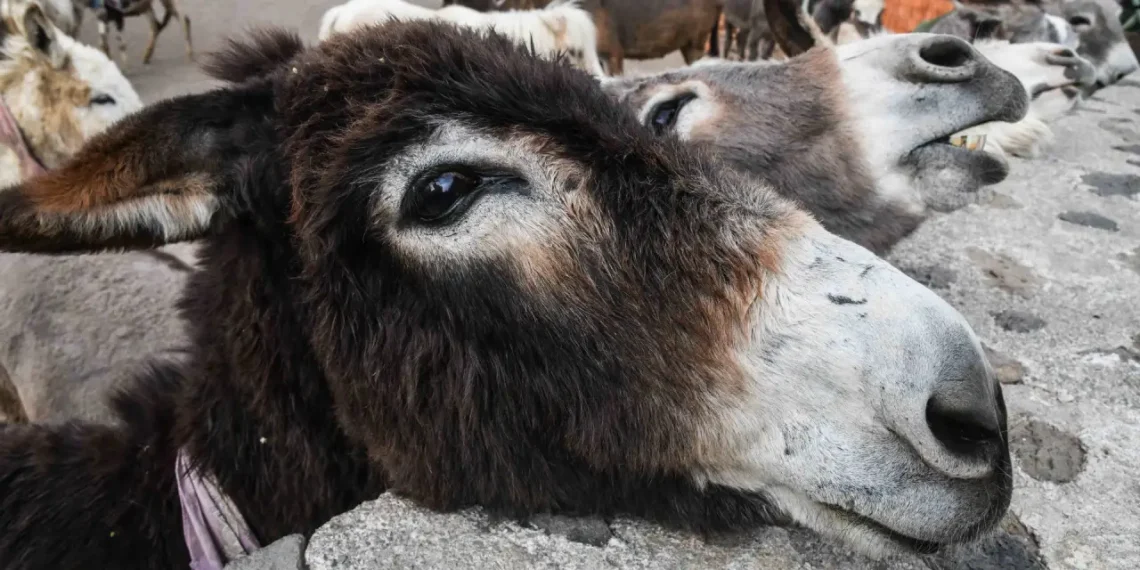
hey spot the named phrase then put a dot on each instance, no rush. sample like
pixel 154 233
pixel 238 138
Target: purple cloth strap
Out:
pixel 11 137
pixel 215 531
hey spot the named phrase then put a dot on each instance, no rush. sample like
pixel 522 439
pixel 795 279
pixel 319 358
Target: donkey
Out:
pixel 1053 75
pixel 745 19
pixel 117 11
pixel 56 93
pixel 1016 23
pixel 1055 78
pixel 1096 32
pixel 637 29
pixel 449 268
pixel 866 151
pixel 559 29
pixel 1102 41
pixel 646 29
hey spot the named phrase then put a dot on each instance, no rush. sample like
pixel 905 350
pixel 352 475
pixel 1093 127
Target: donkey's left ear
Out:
pixel 171 172
pixel 40 33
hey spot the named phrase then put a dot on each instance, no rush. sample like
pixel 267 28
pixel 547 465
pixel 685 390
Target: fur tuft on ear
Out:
pixel 264 51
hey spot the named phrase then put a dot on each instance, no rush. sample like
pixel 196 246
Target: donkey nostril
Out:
pixel 1066 53
pixel 963 430
pixel 947 52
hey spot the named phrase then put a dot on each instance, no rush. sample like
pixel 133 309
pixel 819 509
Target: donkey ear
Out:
pixel 170 172
pixel 41 34
pixel 793 29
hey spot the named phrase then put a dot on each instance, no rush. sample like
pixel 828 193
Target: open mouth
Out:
pixel 966 154
pixel 909 543
pixel 967 143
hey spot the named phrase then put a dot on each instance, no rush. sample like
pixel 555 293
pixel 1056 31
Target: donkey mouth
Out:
pixel 909 543
pixel 961 153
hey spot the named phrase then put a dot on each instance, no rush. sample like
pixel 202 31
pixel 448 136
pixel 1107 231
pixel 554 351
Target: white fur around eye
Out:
pixel 696 112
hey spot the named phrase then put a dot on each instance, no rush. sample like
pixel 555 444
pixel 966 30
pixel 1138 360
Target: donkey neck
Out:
pixel 258 413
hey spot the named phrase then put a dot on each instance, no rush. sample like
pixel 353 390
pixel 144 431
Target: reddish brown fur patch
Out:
pixel 113 167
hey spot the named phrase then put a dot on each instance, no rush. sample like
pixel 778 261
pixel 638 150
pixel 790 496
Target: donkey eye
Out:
pixel 664 115
pixel 102 99
pixel 442 197
pixel 1080 21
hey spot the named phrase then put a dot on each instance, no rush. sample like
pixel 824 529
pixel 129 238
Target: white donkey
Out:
pixel 562 27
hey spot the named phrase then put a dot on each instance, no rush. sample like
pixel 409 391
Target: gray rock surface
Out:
pixel 1075 414
pixel 393 533
pixel 286 554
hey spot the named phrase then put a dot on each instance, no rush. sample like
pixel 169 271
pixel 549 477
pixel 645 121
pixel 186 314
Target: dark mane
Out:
pixel 260 53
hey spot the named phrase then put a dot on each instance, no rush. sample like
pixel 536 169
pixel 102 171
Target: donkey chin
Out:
pixel 892 434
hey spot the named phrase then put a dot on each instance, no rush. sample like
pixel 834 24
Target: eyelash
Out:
pixel 417 208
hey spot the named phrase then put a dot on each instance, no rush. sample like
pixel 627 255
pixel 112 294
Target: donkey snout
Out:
pixel 1077 68
pixel 943 59
pixel 963 416
pixel 961 432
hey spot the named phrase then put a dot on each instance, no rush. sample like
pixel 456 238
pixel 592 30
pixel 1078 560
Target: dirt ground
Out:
pixel 212 21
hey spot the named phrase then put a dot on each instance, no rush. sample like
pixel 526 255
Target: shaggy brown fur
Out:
pixel 329 364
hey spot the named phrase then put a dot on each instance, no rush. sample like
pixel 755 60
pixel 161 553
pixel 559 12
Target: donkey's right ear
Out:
pixel 170 172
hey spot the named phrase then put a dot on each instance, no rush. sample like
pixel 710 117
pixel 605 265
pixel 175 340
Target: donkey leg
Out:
pixel 155 28
pixel 693 52
pixel 124 55
pixel 103 43
pixel 614 64
pixel 714 36
pixel 173 8
pixel 78 11
pixel 189 42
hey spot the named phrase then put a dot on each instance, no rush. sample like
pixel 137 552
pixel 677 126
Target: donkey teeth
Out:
pixel 969 142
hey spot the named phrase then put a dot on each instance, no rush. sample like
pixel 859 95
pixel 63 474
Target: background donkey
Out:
pixel 115 12
pixel 56 94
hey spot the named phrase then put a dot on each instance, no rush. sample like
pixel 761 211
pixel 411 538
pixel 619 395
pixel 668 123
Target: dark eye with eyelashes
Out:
pixel 438 198
pixel 664 116
pixel 102 99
